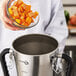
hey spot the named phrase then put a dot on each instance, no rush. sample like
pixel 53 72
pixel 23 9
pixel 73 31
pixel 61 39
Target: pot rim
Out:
pixel 36 54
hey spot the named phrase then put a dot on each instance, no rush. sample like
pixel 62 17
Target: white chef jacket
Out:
pixel 52 23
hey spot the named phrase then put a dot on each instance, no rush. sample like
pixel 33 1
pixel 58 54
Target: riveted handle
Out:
pixel 3 62
pixel 67 58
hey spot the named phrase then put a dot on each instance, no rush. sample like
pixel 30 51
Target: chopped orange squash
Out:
pixel 25 24
pixel 10 10
pixel 22 13
pixel 30 14
pixel 18 20
pixel 28 20
pixel 15 3
pixel 35 14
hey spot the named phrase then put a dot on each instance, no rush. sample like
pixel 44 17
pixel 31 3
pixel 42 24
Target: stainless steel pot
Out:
pixel 35 55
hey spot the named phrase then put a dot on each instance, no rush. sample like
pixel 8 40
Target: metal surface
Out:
pixel 63 72
pixel 32 55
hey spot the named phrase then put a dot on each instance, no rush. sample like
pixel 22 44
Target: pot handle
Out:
pixel 67 59
pixel 3 62
pixel 70 64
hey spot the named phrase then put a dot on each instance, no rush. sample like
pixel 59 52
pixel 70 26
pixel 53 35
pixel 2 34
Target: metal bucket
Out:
pixel 35 55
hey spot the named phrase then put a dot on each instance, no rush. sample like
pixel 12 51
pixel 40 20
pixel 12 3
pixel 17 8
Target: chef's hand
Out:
pixel 3 16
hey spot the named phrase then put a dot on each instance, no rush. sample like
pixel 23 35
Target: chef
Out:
pixel 52 22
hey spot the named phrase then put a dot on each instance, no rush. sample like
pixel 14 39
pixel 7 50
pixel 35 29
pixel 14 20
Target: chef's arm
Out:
pixel 57 27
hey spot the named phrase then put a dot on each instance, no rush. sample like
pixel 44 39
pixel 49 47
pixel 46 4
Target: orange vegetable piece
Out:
pixel 13 17
pixel 32 21
pixel 28 20
pixel 23 6
pixel 19 3
pixel 13 8
pixel 10 10
pixel 28 8
pixel 16 15
pixel 15 3
pixel 22 18
pixel 20 9
pixel 18 20
pixel 23 14
pixel 35 14
pixel 25 24
pixel 30 14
